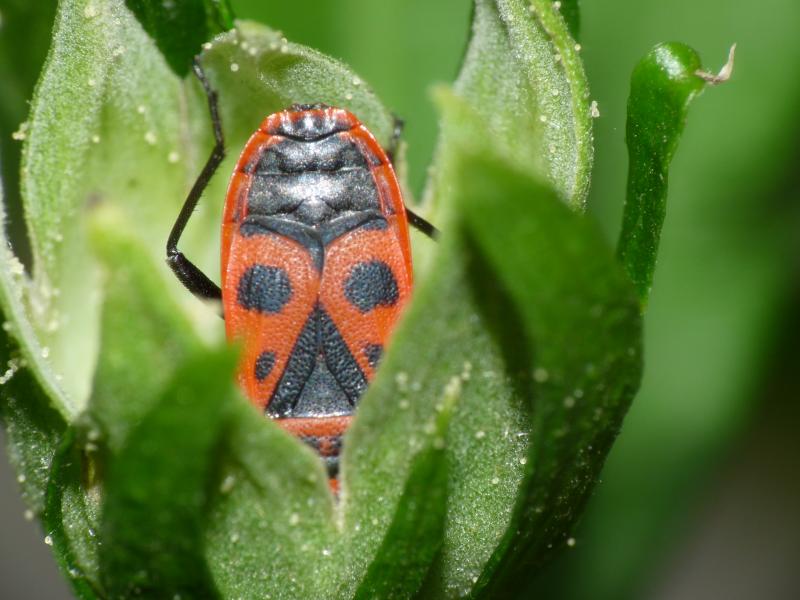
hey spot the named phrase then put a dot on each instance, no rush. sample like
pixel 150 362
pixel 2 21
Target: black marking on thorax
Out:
pixel 314 238
pixel 312 182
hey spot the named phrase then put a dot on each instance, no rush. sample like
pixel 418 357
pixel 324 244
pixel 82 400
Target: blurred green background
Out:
pixel 701 494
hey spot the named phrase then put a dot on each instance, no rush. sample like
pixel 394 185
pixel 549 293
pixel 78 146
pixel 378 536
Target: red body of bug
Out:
pixel 316 268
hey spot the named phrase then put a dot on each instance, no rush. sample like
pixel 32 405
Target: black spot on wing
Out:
pixel 264 289
pixel 264 364
pixel 371 284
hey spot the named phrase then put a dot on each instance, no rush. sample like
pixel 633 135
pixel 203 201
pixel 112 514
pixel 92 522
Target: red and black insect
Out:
pixel 316 264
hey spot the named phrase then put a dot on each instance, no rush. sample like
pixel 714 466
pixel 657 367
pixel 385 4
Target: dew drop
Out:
pixel 541 375
pixel 401 379
pixel 234 67
pixel 227 484
pixel 21 133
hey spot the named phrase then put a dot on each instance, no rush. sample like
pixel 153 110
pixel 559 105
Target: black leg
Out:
pixel 187 273
pixel 394 142
pixel 421 224
pixel 414 219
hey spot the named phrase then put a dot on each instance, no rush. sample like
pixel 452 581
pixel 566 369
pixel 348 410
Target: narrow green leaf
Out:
pixel 663 85
pixel 415 534
pixel 33 428
pixel 25 25
pixel 72 515
pixel 140 363
pixel 31 419
pixel 523 76
pixel 563 358
pixel 136 357
pixel 156 489
pixel 581 321
pixel 180 28
pixel 270 527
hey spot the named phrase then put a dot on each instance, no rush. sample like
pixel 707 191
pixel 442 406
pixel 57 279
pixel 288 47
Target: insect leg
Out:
pixel 187 273
pixel 394 141
pixel 422 225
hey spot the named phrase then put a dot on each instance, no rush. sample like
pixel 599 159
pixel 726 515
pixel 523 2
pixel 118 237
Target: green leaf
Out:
pixel 31 420
pixel 270 527
pixel 134 301
pixel 72 515
pixel 136 358
pixel 25 24
pixel 415 534
pixel 543 322
pixel 522 75
pixel 155 505
pixel 33 428
pixel 258 72
pixel 180 28
pixel 663 85
pixel 580 318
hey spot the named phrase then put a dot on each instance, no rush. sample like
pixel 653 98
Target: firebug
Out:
pixel 315 264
